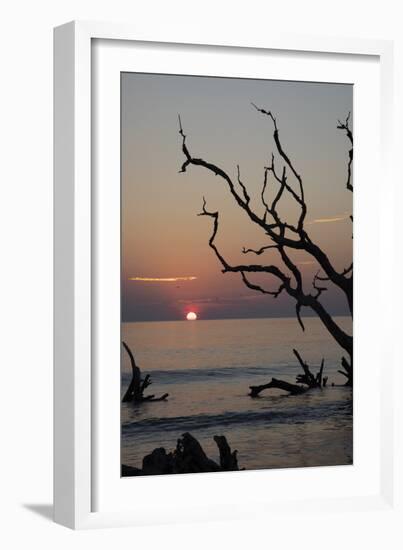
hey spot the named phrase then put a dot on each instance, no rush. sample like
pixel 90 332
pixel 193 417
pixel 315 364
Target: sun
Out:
pixel 191 316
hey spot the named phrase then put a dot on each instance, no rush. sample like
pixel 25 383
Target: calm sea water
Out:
pixel 207 368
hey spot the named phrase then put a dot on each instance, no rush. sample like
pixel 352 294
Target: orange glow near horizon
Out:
pixel 191 316
pixel 162 279
pixel 165 243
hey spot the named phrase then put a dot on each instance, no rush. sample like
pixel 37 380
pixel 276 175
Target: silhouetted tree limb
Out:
pixel 260 250
pixel 296 291
pixel 283 235
pixel 137 386
pixel 345 271
pixel 300 199
pixel 345 126
pixel 319 289
pixel 258 288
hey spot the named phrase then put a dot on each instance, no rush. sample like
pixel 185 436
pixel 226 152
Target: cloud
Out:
pixel 221 300
pixel 329 220
pixel 162 279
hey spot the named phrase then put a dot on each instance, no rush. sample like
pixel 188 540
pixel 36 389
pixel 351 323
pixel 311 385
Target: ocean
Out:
pixel 207 366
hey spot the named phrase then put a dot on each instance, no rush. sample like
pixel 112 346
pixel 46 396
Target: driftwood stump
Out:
pixel 188 457
pixel 137 386
pixel 228 458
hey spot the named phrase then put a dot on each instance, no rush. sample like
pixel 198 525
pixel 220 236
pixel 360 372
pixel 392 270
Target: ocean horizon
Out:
pixel 308 315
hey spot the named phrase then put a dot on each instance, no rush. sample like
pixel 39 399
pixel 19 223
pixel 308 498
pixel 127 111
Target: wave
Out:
pixel 190 375
pixel 293 415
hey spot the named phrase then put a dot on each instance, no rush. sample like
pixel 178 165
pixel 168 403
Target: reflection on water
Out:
pixel 207 367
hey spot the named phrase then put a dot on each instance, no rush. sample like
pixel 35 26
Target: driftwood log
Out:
pixel 137 386
pixel 188 457
pixel 308 378
pixel 293 389
pixel 304 381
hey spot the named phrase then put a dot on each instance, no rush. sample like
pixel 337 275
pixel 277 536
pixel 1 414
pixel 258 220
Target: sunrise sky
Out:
pixel 168 268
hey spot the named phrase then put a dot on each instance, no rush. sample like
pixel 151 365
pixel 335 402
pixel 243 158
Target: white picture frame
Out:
pixel 87 491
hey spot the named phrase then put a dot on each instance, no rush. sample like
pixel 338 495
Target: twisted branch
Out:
pixel 275 229
pixel 346 127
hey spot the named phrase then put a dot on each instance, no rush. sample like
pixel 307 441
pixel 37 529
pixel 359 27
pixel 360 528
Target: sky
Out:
pixel 168 269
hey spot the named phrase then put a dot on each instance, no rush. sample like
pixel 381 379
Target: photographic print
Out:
pixel 236 274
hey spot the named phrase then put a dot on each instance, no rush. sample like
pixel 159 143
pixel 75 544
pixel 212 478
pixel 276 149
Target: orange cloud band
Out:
pixel 328 220
pixel 162 279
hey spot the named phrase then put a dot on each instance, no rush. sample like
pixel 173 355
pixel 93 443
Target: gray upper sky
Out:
pixel 162 237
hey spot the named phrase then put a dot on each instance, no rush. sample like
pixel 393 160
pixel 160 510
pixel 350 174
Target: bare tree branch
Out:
pixel 283 184
pixel 245 193
pixel 283 234
pixel 319 289
pixel 345 126
pixel 260 250
pixel 288 162
pixel 345 271
pixel 258 288
pixel 298 307
pixel 302 243
pixel 302 299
